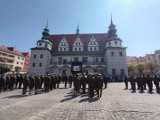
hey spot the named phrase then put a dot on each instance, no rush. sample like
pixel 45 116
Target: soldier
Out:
pixel 91 82
pixel 6 86
pixel 70 80
pixel 31 84
pixel 65 79
pixel 105 79
pixel 133 84
pixel 156 82
pixel 126 82
pixel 76 84
pixel 83 83
pixel 149 83
pixel 37 83
pixel 141 84
pixel 25 84
pixel 42 81
pixel 47 81
pixel 12 82
pixel 2 79
pixel 59 79
pixel 20 81
pixel 52 82
pixel 99 84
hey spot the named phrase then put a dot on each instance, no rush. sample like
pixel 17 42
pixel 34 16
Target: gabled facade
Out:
pixel 13 59
pixel 98 52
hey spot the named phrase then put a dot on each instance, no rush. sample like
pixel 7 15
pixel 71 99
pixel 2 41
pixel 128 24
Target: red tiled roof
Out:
pixel 85 38
pixel 3 48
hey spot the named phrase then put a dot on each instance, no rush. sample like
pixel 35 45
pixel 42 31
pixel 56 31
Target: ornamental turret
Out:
pixel 112 39
pixel 44 41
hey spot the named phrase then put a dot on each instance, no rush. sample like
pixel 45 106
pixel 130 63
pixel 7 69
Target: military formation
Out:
pixel 90 84
pixel 143 82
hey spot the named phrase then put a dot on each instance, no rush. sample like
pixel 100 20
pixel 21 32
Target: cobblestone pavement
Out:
pixel 115 104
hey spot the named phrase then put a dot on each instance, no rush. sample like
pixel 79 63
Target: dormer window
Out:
pixel 78 45
pixel 40 44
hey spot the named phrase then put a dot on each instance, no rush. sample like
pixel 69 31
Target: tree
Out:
pixel 17 69
pixel 130 69
pixel 140 67
pixel 151 67
pixel 4 69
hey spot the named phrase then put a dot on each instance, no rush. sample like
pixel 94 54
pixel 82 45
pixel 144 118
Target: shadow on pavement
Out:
pixel 89 99
pixel 16 96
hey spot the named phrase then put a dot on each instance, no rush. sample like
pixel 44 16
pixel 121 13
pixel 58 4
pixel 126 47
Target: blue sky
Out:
pixel 137 21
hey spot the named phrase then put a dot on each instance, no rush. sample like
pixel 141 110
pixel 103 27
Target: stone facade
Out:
pixel 98 52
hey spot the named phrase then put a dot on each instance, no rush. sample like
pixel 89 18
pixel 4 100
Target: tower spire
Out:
pixel 47 24
pixel 111 20
pixel 77 31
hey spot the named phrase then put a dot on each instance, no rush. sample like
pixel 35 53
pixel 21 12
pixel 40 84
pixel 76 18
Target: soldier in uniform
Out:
pixel 99 84
pixel 37 83
pixel 105 80
pixel 2 79
pixel 149 83
pixel 12 82
pixel 91 82
pixel 47 81
pixel 25 84
pixel 126 82
pixel 133 83
pixel 156 82
pixel 70 80
pixel 76 84
pixel 31 84
pixel 83 83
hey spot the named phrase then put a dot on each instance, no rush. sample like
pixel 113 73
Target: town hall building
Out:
pixel 98 52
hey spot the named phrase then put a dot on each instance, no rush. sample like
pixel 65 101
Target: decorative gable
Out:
pixel 93 44
pixel 63 45
pixel 78 45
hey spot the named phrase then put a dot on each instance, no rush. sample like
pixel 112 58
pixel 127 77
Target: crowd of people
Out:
pixel 142 82
pixel 93 83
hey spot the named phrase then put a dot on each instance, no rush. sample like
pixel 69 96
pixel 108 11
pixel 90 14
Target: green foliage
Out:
pixel 4 69
pixel 140 67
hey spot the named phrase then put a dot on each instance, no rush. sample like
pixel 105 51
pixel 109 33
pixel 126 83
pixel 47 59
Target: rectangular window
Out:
pixel 115 42
pixel 90 48
pixel 17 62
pixel 60 59
pixel 45 45
pixel 120 54
pixel 76 59
pixel 40 64
pixel 64 61
pixel 33 64
pixel 85 59
pixel 75 49
pixel 18 58
pixel 41 56
pixel 79 49
pixel 40 44
pixel 102 59
pixel 34 56
pixel 112 54
pixel 21 63
pixel 64 49
pixel 95 48
pixel 96 59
